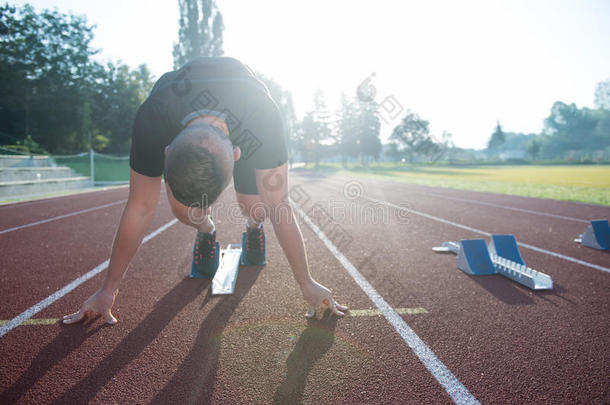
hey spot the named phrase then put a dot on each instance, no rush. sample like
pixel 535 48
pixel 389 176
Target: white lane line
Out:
pixel 506 207
pixel 34 309
pixel 44 221
pixel 475 230
pixel 38 199
pixel 443 375
pixel 503 206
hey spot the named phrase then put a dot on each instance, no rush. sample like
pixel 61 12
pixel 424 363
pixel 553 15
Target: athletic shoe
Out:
pixel 206 255
pixel 253 247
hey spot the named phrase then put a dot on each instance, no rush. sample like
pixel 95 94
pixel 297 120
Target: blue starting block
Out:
pixel 597 235
pixel 502 256
pixel 505 246
pixel 473 258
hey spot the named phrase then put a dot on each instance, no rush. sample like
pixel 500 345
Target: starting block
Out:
pixel 225 278
pixel 502 256
pixel 596 236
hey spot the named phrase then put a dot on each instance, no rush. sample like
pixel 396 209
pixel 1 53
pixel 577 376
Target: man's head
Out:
pixel 199 164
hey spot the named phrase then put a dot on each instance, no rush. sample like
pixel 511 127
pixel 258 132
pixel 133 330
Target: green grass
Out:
pixel 584 183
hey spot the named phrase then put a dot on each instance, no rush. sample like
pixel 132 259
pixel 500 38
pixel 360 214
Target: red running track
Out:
pixel 176 343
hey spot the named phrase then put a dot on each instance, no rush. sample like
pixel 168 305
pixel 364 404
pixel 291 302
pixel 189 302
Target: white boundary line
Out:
pixel 506 207
pixel 491 193
pixel 456 390
pixel 44 221
pixel 33 310
pixel 475 230
pixel 25 200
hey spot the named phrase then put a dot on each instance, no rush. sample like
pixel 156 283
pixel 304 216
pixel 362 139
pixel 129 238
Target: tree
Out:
pixel 310 138
pixel 430 149
pixel 315 132
pixel 412 132
pixel 200 31
pixel 602 95
pixel 46 76
pixel 601 133
pixel 283 99
pixel 533 148
pixel 368 134
pixel 117 94
pixel 347 129
pixel 393 152
pixel 52 90
pixel 322 117
pixel 447 145
pixel 569 128
pixel 497 139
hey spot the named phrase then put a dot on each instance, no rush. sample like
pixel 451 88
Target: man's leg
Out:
pixel 206 251
pixel 252 208
pixel 253 240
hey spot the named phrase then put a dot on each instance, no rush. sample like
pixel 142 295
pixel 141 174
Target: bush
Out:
pixel 26 146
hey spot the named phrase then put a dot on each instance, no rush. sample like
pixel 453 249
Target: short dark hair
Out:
pixel 192 171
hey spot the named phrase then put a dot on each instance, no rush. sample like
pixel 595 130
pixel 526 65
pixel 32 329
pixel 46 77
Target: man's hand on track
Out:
pixel 316 295
pixel 99 303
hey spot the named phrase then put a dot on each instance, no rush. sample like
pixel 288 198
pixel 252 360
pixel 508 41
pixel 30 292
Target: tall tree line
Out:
pixel 568 131
pixel 352 132
pixel 200 31
pixel 53 93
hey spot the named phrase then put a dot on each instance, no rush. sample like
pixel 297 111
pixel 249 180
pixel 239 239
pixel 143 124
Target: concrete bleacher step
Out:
pixel 25 161
pixel 35 187
pixel 33 173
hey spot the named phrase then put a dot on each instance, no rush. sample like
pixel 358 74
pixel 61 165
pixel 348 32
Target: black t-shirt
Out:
pixel 218 86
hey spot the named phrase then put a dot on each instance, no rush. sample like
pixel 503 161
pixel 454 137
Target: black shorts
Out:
pixel 244 178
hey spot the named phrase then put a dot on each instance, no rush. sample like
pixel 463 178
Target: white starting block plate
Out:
pixel 224 281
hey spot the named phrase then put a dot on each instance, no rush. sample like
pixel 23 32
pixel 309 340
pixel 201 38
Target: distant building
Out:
pixel 512 155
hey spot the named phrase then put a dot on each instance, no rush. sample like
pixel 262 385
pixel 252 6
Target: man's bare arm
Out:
pixel 140 208
pixel 141 204
pixel 272 185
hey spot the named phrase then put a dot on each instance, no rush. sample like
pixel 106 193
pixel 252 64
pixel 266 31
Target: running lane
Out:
pixel 38 260
pixel 176 344
pixel 20 214
pixel 505 342
pixel 551 233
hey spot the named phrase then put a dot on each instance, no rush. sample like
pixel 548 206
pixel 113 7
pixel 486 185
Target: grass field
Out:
pixel 584 183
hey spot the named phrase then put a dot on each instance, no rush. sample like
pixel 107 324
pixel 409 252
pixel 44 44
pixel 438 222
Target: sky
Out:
pixel 461 65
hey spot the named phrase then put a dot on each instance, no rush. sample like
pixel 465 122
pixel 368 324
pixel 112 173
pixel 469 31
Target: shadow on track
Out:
pixel 193 382
pixel 72 337
pixel 512 293
pixel 503 289
pixel 557 291
pixel 313 343
pixel 198 369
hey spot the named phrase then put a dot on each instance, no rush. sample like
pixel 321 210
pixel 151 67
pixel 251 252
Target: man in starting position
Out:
pixel 201 124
